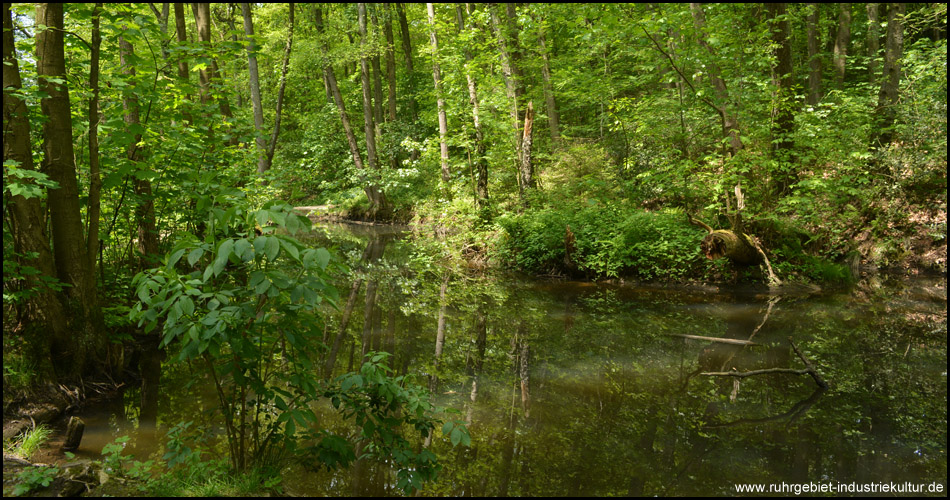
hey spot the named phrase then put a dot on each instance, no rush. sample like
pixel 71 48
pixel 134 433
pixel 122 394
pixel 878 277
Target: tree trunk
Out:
pixel 527 168
pixel 481 163
pixel 377 203
pixel 783 120
pixel 407 54
pixel 511 88
pixel 730 125
pixel 440 100
pixel 42 312
pixel 377 74
pixel 254 79
pixel 182 37
pixel 272 146
pixel 145 207
pixel 553 119
pixel 95 178
pixel 873 41
pixel 368 187
pixel 814 58
pixel 69 246
pixel 890 82
pixel 842 40
pixel 202 13
pixel 390 60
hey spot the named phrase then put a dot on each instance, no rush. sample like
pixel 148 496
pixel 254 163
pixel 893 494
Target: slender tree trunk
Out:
pixel 842 40
pixel 527 168
pixel 272 146
pixel 481 163
pixel 873 41
pixel 95 178
pixel 730 125
pixel 69 246
pixel 145 207
pixel 182 37
pixel 510 85
pixel 377 74
pixel 814 57
pixel 443 123
pixel 553 119
pixel 390 60
pixel 234 38
pixel 890 82
pixel 407 55
pixel 377 203
pixel 368 187
pixel 254 79
pixel 202 13
pixel 783 120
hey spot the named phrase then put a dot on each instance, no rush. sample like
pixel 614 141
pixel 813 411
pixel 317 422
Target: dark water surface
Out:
pixel 576 388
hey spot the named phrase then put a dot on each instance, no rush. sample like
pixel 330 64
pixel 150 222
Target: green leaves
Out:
pixel 258 288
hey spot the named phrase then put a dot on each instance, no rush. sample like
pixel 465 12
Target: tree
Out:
pixel 481 163
pixel 69 246
pixel 207 75
pixel 873 40
pixel 145 205
pixel 255 84
pixel 390 61
pixel 783 119
pixel 510 57
pixel 41 312
pixel 550 103
pixel 814 58
pixel 443 123
pixel 377 203
pixel 888 97
pixel 842 40
pixel 376 197
pixel 272 146
pixel 730 125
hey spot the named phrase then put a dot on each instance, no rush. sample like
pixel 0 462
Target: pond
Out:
pixel 579 388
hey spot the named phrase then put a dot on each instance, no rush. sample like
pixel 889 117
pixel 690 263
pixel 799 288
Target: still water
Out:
pixel 577 388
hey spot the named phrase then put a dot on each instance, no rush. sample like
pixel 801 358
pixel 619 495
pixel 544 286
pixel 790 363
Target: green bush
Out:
pixel 609 242
pixel 246 297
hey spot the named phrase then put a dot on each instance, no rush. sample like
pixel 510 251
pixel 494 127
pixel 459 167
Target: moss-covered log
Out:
pixel 736 247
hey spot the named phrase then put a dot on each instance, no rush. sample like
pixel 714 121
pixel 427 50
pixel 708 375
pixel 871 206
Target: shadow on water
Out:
pixel 576 388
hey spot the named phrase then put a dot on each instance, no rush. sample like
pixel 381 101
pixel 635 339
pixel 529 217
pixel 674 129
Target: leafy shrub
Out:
pixel 609 241
pixel 246 297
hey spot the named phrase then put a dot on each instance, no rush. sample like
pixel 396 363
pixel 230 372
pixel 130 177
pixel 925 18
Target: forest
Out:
pixel 240 228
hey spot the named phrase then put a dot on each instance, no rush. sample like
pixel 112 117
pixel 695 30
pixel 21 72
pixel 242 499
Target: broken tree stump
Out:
pixel 74 432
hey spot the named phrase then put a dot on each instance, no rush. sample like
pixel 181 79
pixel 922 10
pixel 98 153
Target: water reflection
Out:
pixel 591 389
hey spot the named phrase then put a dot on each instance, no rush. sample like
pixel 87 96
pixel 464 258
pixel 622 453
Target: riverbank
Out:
pixel 597 243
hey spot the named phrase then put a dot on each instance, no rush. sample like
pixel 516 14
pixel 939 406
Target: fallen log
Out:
pixel 715 339
pixel 738 247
